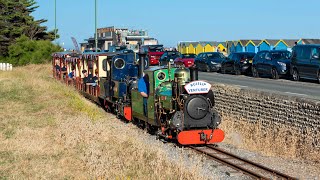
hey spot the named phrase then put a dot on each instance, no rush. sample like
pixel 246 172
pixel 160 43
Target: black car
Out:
pixel 238 62
pixel 209 61
pixel 275 63
pixel 305 62
pixel 168 56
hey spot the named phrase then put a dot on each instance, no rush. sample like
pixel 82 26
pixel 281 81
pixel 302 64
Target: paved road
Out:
pixel 309 89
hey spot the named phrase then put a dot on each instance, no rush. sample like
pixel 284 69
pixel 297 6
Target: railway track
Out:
pixel 250 168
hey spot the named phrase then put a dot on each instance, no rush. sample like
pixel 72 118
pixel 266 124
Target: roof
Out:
pixel 222 43
pixel 65 54
pixel 272 42
pixel 255 42
pixel 310 41
pixel 290 42
pixel 244 42
pixel 194 44
pixel 313 45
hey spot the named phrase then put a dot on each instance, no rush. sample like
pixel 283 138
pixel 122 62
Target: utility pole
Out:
pixel 96 34
pixel 55 20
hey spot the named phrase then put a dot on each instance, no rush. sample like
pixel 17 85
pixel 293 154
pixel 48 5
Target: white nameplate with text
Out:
pixel 198 87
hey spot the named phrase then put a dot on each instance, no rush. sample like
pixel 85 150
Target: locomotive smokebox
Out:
pixel 193 73
pixel 142 57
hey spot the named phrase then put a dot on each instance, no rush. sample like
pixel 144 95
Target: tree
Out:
pixel 26 51
pixel 16 20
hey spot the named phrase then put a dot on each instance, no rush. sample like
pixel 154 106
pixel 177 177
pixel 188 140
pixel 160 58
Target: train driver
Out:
pixel 143 88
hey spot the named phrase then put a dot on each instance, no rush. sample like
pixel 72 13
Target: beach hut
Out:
pixel 251 46
pixel 184 47
pixel 240 45
pixel 221 46
pixel 281 45
pixel 199 48
pixel 209 47
pixel 191 47
pixel 228 46
pixel 263 45
pixel 290 43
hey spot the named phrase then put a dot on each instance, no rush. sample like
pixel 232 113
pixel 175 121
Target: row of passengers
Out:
pixel 89 79
pixel 63 70
pixel 60 70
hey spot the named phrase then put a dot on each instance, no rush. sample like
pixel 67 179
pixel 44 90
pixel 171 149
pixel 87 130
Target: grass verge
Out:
pixel 48 131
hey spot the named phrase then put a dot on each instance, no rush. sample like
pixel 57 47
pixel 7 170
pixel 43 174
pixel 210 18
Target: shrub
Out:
pixel 26 51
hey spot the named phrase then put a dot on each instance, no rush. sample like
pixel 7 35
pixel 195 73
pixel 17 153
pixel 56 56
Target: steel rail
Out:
pixel 237 167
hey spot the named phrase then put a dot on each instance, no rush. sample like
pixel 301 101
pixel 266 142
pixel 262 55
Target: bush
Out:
pixel 26 51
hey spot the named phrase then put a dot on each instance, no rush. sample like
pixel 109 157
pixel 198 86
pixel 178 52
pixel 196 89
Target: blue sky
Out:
pixel 171 21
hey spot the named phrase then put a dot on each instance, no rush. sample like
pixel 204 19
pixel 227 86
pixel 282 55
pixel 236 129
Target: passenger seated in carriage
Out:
pixel 88 79
pixel 71 75
pixel 95 77
pixel 64 70
pixel 57 68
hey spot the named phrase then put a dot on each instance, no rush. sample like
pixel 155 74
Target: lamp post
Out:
pixel 55 20
pixel 96 31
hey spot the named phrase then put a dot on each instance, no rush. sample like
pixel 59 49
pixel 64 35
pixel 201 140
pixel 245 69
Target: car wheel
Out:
pixel 208 68
pixel 319 77
pixel 274 73
pixel 295 75
pixel 237 71
pixel 255 73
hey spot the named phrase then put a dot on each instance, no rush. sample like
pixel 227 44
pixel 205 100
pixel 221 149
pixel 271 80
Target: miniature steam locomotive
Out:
pixel 179 106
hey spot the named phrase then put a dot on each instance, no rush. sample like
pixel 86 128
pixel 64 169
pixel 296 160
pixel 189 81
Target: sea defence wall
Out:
pixel 272 112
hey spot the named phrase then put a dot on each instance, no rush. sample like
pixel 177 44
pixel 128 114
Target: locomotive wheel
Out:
pixel 151 129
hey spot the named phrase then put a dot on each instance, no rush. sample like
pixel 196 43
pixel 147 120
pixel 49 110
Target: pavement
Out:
pixel 304 88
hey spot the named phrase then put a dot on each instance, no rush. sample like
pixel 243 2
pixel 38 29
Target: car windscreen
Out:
pixel 215 56
pixel 247 56
pixel 156 49
pixel 188 56
pixel 281 55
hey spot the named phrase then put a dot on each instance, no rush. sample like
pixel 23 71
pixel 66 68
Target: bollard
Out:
pixel 0 66
pixel 6 66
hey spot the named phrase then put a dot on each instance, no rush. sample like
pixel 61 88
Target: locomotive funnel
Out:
pixel 193 73
pixel 142 57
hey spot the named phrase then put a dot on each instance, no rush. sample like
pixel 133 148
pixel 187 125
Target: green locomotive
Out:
pixel 178 106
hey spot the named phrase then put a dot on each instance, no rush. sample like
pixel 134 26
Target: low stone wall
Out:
pixel 271 111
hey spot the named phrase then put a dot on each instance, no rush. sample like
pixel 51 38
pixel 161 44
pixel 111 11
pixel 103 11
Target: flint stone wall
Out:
pixel 268 108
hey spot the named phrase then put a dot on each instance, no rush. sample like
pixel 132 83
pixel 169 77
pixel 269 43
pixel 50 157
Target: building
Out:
pixel 109 36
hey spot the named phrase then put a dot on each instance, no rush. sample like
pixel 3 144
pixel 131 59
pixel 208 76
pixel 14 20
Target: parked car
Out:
pixel 305 62
pixel 154 52
pixel 238 62
pixel 275 63
pixel 209 61
pixel 185 59
pixel 168 56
